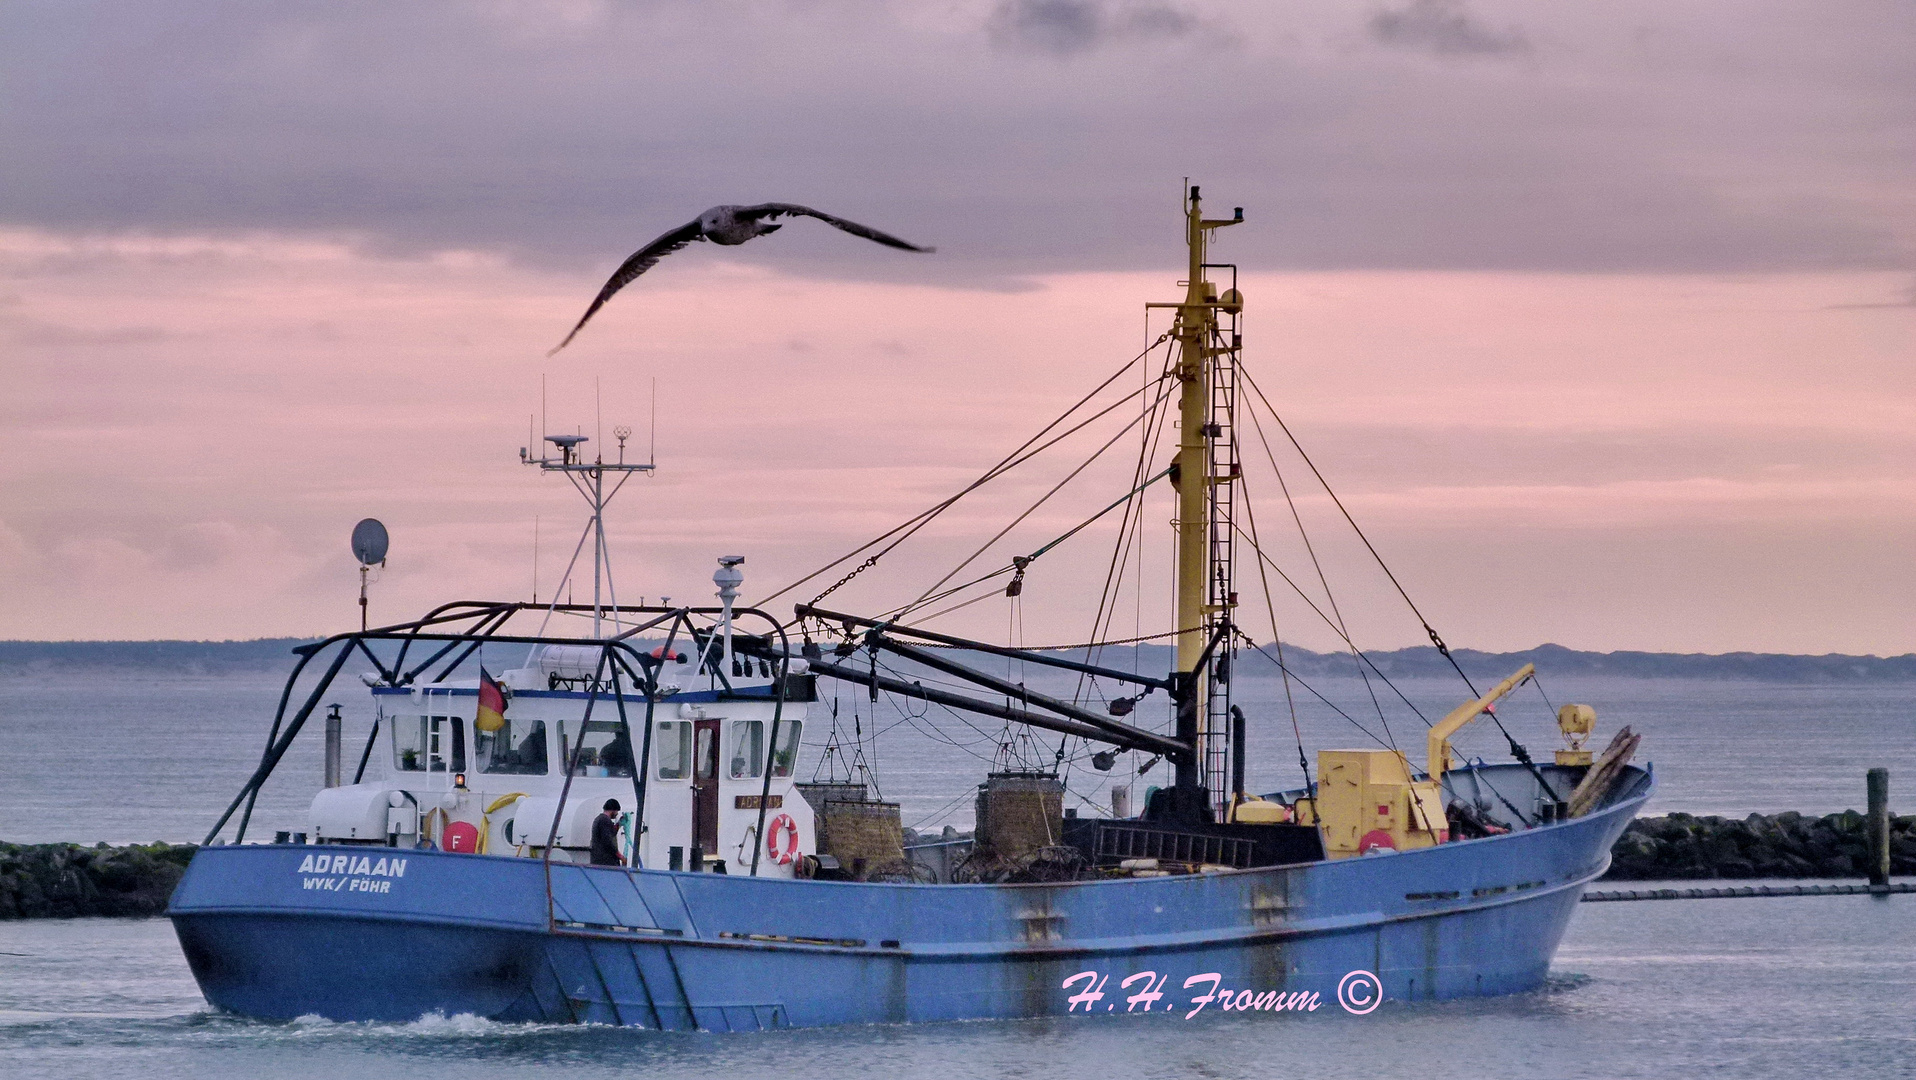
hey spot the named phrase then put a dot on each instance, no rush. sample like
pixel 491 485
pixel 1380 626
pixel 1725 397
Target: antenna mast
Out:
pixel 588 478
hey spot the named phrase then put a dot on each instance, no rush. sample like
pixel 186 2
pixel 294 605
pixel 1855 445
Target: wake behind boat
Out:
pixel 457 871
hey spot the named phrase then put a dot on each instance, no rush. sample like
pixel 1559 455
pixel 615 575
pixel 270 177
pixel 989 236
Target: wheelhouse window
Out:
pixel 409 743
pixel 518 748
pixel 785 754
pixel 672 749
pixel 603 749
pixel 429 743
pixel 748 749
pixel 705 753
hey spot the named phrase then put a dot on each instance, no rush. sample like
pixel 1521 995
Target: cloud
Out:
pixel 1071 26
pixel 1446 28
pixel 1908 301
pixel 1059 26
pixel 1729 141
pixel 30 333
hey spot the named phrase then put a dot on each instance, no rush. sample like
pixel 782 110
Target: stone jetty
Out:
pixel 62 881
pixel 1680 847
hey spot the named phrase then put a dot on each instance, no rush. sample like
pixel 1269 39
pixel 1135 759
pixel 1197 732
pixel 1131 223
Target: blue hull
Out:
pixel 516 940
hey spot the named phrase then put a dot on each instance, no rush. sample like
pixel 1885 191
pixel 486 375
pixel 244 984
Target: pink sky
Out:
pixel 1601 317
pixel 1693 462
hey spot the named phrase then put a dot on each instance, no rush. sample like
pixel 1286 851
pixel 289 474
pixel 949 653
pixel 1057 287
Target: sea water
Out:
pixel 1756 988
pixel 135 755
pixel 1785 987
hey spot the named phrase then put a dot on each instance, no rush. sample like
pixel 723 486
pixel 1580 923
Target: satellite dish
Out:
pixel 369 542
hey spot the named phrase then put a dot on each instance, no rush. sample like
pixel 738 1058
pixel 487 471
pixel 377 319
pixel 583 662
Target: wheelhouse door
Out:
pixel 705 786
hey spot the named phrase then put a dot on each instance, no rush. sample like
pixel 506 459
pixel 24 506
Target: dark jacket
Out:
pixel 605 842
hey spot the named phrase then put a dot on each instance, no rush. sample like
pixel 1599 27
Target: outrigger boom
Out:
pixel 1070 720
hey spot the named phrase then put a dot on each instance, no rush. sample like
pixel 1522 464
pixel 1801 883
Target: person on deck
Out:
pixel 617 756
pixel 605 836
pixel 532 752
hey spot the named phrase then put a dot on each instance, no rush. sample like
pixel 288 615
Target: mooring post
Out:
pixel 1879 829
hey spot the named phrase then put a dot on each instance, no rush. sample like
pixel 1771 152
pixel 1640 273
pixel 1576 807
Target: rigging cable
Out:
pixel 1072 475
pixel 832 753
pixel 938 736
pixel 1264 578
pixel 904 676
pixel 941 811
pixel 1516 748
pixel 1313 692
pixel 1548 704
pixel 1128 535
pixel 942 612
pixel 1361 655
pixel 1008 462
pixel 1018 563
pixel 1329 596
pixel 1436 640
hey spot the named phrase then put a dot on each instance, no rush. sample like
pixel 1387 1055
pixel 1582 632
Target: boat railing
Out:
pixel 458 630
pixel 939 857
pixel 1116 843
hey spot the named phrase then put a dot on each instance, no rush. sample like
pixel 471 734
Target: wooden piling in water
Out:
pixel 1878 782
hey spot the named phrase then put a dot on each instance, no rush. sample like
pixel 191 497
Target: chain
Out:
pixel 857 570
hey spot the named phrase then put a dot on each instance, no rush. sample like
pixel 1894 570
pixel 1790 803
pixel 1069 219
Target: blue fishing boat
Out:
pixel 612 828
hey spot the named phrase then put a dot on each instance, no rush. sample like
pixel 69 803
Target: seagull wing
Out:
pixel 773 210
pixel 642 260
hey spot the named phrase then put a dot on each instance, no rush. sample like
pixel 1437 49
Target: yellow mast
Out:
pixel 1196 334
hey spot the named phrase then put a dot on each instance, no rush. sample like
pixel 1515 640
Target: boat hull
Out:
pixel 518 940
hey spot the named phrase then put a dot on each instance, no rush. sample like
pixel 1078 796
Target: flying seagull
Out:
pixel 728 225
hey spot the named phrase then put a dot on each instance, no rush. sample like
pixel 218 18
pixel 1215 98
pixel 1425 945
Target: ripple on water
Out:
pixel 1748 988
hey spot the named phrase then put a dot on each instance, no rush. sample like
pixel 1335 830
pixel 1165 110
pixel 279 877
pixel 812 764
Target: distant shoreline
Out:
pixel 268 654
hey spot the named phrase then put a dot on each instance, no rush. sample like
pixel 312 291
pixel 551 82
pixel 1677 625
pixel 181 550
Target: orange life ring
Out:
pixel 781 839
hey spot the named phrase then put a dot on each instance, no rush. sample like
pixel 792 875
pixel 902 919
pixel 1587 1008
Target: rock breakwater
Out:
pixel 1681 847
pixel 64 881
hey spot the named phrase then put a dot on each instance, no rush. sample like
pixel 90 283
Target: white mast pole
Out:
pixel 598 545
pixel 728 578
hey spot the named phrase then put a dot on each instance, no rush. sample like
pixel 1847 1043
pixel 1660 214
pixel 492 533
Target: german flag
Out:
pixel 492 704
